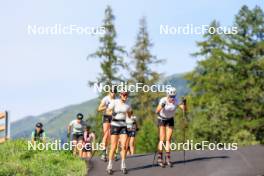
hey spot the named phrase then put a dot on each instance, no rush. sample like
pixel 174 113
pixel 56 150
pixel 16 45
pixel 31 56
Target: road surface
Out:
pixel 246 161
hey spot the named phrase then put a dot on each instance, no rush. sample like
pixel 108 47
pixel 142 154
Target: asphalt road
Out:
pixel 246 161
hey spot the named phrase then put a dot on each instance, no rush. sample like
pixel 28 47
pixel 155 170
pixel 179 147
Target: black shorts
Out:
pixel 115 130
pixel 87 148
pixel 131 133
pixel 168 122
pixel 77 137
pixel 107 119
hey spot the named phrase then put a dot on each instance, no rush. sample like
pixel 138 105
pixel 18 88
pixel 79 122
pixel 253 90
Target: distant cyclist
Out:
pixel 120 109
pixel 77 128
pixel 131 129
pixel 166 111
pixel 38 135
pixel 106 119
pixel 88 139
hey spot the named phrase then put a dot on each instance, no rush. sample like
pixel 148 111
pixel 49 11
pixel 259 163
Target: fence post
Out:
pixel 4 127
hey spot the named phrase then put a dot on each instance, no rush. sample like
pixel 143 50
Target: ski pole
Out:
pixel 184 118
pixel 184 138
pixel 156 148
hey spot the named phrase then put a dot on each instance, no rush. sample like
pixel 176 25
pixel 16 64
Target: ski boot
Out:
pixel 103 158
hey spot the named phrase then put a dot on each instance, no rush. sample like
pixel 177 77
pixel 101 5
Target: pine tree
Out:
pixel 227 88
pixel 110 53
pixel 142 60
pixel 112 61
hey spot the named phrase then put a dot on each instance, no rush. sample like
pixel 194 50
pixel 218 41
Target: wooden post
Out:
pixel 2 115
pixel 4 127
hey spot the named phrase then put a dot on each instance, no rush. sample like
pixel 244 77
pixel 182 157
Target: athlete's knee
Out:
pixel 161 141
pixel 113 147
pixel 162 144
pixel 74 142
pixel 162 138
pixel 168 140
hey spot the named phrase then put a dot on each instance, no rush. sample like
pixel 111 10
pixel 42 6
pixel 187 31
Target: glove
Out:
pixel 114 113
pixel 163 105
pixel 137 129
pixel 184 100
pixel 133 117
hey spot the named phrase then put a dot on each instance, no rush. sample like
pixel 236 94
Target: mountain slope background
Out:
pixel 56 121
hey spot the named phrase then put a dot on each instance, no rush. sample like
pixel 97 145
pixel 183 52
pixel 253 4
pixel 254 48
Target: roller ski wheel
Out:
pixel 161 164
pixel 103 158
pixel 109 171
pixel 169 164
pixel 124 171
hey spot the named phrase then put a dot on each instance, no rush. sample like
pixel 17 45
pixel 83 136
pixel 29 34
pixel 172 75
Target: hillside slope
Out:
pixel 55 122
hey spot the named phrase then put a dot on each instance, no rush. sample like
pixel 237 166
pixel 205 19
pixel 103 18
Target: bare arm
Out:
pixel 109 111
pixel 101 107
pixel 181 106
pixel 158 109
pixel 69 129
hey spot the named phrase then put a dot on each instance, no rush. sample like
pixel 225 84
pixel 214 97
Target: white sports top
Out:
pixel 170 107
pixel 130 121
pixel 121 109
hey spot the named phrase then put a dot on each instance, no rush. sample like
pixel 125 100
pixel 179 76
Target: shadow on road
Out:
pixel 179 162
pixel 136 156
pixel 200 159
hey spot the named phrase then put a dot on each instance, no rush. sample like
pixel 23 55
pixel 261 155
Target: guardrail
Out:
pixel 4 115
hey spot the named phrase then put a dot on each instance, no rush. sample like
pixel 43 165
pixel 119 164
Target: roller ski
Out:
pixel 103 158
pixel 161 164
pixel 169 164
pixel 109 171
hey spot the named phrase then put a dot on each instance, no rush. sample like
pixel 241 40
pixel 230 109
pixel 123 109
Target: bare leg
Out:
pixel 84 154
pixel 127 145
pixel 79 147
pixel 74 142
pixel 132 145
pixel 106 135
pixel 162 132
pixel 123 140
pixel 89 154
pixel 114 142
pixel 169 131
pixel 168 138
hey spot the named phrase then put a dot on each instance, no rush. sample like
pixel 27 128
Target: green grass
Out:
pixel 16 160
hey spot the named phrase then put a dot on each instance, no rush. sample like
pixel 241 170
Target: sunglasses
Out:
pixel 172 96
pixel 124 94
